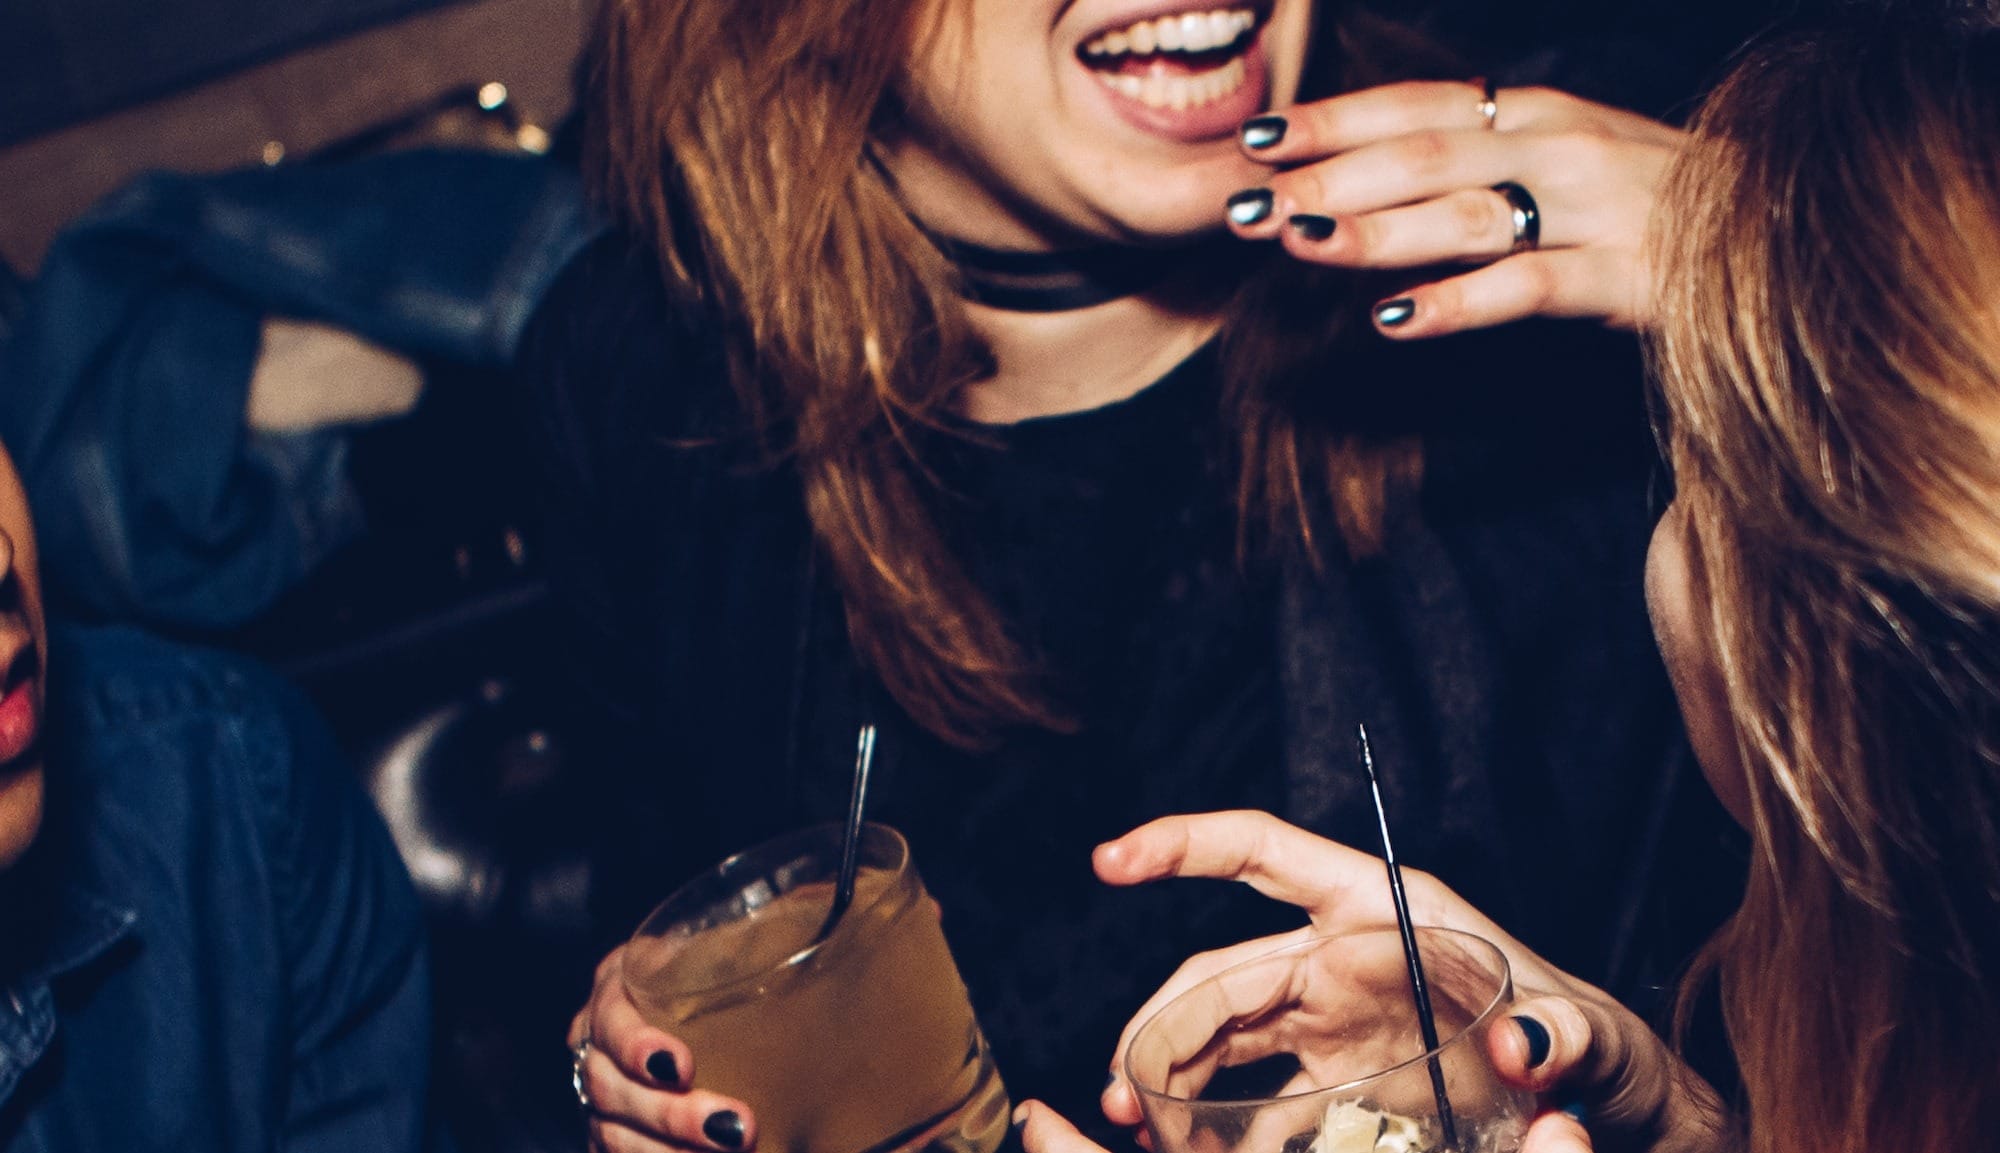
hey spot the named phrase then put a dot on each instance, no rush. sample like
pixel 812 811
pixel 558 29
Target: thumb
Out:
pixel 1043 1130
pixel 1556 1133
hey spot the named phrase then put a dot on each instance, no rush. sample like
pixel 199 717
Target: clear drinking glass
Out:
pixel 864 1041
pixel 1315 1048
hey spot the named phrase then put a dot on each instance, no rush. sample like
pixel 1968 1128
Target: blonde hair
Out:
pixel 1829 358
pixel 734 136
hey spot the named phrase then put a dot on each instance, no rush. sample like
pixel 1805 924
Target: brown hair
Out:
pixel 1829 355
pixel 734 134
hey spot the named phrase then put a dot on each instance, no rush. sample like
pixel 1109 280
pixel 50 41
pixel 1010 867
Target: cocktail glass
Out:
pixel 1315 1048
pixel 864 1042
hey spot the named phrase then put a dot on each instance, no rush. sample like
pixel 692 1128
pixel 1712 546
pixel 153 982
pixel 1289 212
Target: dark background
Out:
pixel 65 60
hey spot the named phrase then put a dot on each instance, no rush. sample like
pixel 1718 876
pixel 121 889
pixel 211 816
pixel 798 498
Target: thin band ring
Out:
pixel 1527 216
pixel 1489 102
pixel 577 1056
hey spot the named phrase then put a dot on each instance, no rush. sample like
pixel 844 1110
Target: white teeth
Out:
pixel 1194 32
pixel 1190 32
pixel 1156 90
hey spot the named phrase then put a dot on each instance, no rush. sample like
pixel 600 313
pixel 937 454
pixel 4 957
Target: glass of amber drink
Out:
pixel 863 1042
pixel 1316 1048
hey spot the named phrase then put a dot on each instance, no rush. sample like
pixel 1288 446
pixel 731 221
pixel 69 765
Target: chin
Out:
pixel 1183 204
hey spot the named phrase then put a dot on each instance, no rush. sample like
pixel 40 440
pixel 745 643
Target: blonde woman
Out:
pixel 1826 589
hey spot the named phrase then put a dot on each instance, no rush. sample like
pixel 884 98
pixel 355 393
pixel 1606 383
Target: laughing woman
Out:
pixel 1826 589
pixel 1006 373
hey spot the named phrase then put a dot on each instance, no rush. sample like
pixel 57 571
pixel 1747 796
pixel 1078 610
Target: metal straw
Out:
pixel 850 838
pixel 1419 988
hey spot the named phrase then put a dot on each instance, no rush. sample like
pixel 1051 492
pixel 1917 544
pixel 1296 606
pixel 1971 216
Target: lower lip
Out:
pixel 18 722
pixel 1197 125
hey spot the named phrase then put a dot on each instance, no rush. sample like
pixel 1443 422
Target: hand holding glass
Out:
pixel 862 1042
pixel 1315 1048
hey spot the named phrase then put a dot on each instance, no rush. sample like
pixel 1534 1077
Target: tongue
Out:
pixel 1166 64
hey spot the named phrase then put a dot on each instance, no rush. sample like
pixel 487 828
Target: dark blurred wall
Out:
pixel 1653 55
pixel 64 60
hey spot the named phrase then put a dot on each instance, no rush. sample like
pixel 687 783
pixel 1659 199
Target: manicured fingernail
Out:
pixel 1250 206
pixel 1019 1122
pixel 1575 1111
pixel 1312 227
pixel 1537 1036
pixel 662 1068
pixel 1389 314
pixel 1263 131
pixel 724 1128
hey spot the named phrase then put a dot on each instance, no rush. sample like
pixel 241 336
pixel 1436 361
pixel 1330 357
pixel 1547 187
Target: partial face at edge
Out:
pixel 1036 123
pixel 23 645
pixel 1677 600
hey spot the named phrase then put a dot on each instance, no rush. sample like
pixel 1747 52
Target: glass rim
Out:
pixel 1493 1004
pixel 812 948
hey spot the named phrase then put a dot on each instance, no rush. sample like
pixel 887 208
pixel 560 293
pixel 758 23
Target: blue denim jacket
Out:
pixel 213 946
pixel 122 388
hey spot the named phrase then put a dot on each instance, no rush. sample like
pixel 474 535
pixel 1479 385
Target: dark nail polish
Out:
pixel 1313 228
pixel 1537 1036
pixel 662 1068
pixel 1390 314
pixel 724 1128
pixel 1263 131
pixel 1251 206
pixel 1576 1111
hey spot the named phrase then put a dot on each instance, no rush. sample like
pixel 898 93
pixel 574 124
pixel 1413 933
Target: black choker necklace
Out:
pixel 1015 281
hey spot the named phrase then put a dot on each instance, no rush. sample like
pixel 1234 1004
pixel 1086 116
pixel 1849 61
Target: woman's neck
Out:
pixel 1051 363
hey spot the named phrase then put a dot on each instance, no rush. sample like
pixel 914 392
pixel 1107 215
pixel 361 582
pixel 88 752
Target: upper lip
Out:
pixel 1158 8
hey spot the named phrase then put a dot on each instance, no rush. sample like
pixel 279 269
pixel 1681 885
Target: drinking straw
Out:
pixel 850 838
pixel 1419 988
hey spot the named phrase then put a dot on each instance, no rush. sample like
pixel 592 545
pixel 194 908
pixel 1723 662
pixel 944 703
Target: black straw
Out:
pixel 1419 988
pixel 850 839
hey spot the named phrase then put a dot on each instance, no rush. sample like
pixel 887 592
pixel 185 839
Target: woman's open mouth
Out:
pixel 1190 75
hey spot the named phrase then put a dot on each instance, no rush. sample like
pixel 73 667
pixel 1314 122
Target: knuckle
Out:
pixel 1423 155
pixel 1539 283
pixel 1479 218
pixel 1583 149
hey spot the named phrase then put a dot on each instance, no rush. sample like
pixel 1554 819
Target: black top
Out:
pixel 1498 652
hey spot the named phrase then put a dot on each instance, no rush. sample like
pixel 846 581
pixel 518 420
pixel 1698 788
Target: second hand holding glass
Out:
pixel 811 979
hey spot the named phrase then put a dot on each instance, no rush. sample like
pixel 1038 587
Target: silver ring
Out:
pixel 577 1056
pixel 1527 216
pixel 1489 102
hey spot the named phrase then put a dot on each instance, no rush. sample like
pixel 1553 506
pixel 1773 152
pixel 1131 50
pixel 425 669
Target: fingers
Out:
pixel 1326 127
pixel 1279 860
pixel 1401 177
pixel 1043 1130
pixel 1470 224
pixel 1608 283
pixel 693 1120
pixel 1119 1100
pixel 636 1078
pixel 1606 1058
pixel 1556 1133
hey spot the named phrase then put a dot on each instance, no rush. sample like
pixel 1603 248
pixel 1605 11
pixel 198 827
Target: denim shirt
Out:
pixel 213 945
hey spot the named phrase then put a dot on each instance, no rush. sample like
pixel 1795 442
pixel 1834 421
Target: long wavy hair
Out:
pixel 1829 359
pixel 734 135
